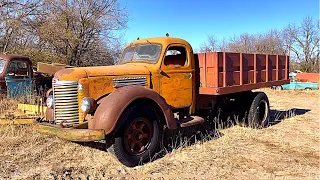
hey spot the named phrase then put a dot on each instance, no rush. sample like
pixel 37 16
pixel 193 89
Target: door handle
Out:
pixel 163 73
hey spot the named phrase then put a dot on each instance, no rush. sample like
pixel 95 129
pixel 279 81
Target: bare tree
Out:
pixel 73 26
pixel 210 45
pixel 244 43
pixel 213 44
pixel 270 42
pixel 13 16
pixel 100 54
pixel 303 41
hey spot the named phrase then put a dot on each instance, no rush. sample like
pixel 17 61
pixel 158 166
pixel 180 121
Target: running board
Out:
pixel 190 121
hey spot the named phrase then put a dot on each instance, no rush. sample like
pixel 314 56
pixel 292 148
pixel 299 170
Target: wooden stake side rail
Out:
pixel 224 72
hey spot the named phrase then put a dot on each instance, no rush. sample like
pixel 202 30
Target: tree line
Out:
pixel 82 33
pixel 301 41
pixel 74 32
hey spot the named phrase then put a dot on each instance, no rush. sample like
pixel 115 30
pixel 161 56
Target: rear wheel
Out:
pixel 258 116
pixel 137 135
pixel 308 89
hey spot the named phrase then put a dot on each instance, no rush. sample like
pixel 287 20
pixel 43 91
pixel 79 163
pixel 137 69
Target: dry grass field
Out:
pixel 289 149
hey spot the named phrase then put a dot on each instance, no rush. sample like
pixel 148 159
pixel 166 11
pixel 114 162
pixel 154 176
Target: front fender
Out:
pixel 113 105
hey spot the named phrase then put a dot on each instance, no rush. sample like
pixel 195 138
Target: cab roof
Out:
pixel 160 40
pixel 10 57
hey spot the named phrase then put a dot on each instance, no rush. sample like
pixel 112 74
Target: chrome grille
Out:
pixel 120 82
pixel 65 94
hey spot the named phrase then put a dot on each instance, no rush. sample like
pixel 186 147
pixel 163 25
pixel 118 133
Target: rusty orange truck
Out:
pixel 157 83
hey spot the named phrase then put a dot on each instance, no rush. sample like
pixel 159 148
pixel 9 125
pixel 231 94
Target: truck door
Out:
pixel 176 76
pixel 18 79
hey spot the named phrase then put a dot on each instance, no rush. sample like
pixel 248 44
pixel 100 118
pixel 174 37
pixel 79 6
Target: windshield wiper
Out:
pixel 151 45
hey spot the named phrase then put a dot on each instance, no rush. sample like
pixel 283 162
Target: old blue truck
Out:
pixel 296 84
pixel 18 78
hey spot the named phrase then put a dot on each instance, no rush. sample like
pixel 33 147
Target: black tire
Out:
pixel 308 88
pixel 259 113
pixel 242 107
pixel 132 115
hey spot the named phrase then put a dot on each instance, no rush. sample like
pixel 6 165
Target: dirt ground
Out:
pixel 289 149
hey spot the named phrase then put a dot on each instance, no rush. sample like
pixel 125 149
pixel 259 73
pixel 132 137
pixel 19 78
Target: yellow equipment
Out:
pixel 25 114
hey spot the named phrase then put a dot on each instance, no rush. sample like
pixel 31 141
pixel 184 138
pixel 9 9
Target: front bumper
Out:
pixel 70 134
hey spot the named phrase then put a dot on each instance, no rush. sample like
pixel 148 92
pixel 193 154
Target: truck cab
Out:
pixel 170 62
pixel 15 75
pixel 165 65
pixel 18 79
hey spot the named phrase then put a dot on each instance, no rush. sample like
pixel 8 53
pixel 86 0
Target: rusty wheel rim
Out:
pixel 138 136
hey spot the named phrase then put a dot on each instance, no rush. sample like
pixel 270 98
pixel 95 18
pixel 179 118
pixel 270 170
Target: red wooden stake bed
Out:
pixel 224 73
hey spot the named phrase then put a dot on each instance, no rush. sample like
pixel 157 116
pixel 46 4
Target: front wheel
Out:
pixel 137 135
pixel 259 113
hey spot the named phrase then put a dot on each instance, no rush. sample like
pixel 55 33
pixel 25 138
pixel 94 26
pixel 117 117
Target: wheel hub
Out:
pixel 138 136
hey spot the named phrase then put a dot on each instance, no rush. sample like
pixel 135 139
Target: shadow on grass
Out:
pixel 276 116
pixel 183 137
pixel 174 139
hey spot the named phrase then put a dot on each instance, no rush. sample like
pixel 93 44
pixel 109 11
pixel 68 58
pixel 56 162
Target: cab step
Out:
pixel 190 121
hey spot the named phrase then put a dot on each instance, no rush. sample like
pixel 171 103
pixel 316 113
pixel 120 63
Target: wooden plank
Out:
pixel 224 70
pixel 255 68
pixel 216 61
pixel 205 69
pixel 50 68
pixel 267 68
pixel 287 67
pixel 16 121
pixel 277 67
pixel 241 69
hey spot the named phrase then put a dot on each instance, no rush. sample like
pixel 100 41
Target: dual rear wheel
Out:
pixel 259 111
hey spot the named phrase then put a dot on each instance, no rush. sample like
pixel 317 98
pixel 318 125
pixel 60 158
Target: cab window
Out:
pixel 144 53
pixel 2 65
pixel 18 68
pixel 176 56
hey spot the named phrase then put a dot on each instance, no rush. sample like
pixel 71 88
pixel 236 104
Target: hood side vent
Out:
pixel 121 82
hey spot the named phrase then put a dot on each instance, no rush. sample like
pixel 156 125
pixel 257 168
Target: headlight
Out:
pixel 87 105
pixel 50 102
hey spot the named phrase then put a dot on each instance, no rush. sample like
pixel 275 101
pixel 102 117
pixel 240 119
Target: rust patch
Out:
pixel 48 92
pixel 71 74
pixel 176 88
pixel 49 114
pixel 63 72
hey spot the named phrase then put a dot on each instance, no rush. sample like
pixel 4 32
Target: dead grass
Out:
pixel 287 150
pixel 7 106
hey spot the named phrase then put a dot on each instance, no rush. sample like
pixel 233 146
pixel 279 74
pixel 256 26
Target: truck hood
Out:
pixel 115 70
pixel 125 69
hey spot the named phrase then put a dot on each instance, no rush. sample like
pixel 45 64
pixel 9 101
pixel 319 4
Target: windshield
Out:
pixel 148 53
pixel 2 65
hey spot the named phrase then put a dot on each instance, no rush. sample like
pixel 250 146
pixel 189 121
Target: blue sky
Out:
pixel 195 20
